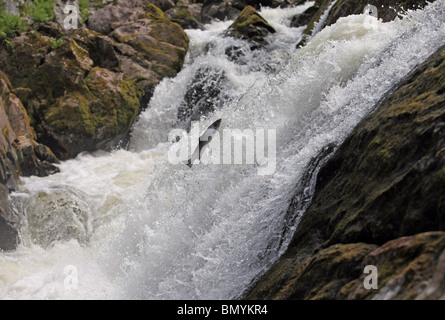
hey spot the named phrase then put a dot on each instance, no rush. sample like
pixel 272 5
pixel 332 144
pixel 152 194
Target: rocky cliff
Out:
pixel 378 201
pixel 66 91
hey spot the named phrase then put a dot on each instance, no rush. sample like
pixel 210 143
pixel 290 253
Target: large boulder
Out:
pixel 96 116
pixel 385 187
pixel 20 155
pixel 204 95
pixel 70 109
pixel 250 26
pixel 149 46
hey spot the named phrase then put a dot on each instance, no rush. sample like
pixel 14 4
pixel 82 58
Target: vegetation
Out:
pixel 55 43
pixel 83 8
pixel 10 25
pixel 40 11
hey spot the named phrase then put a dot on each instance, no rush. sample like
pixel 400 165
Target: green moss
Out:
pixel 71 113
pixel 152 12
pixel 84 12
pixel 128 111
pixel 249 16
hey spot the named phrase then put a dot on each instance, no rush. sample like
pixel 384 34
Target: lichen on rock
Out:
pixel 251 26
pixel 383 187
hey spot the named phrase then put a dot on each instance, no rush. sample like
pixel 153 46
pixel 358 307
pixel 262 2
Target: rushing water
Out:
pixel 131 224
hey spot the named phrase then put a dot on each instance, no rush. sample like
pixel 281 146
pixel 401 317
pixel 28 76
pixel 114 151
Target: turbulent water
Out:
pixel 131 224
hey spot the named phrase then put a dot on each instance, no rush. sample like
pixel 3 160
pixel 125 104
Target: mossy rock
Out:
pixel 251 26
pixel 385 182
pixel 98 117
pixel 159 45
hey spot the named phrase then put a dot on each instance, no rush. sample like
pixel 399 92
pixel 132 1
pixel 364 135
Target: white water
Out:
pixel 155 230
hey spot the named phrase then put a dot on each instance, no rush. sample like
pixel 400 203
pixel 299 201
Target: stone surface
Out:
pixel 384 186
pixel 387 11
pixel 250 26
pixel 20 155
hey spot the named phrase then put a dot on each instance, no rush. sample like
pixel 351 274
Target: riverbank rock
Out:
pixel 84 90
pixel 383 187
pixel 149 46
pixel 250 26
pixel 71 110
pixel 8 236
pixel 57 217
pixel 20 155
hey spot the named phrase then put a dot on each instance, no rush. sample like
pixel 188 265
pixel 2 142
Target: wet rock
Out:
pixel 100 48
pixel 304 18
pixel 387 10
pixel 195 9
pixel 9 238
pixel 133 44
pixel 203 95
pixel 57 218
pixel 384 186
pixel 250 26
pixel 96 116
pixel 70 109
pixel 20 154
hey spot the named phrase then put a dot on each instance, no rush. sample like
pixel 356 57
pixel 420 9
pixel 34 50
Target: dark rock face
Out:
pixel 203 95
pixel 387 11
pixel 384 187
pixel 8 236
pixel 20 155
pixel 304 18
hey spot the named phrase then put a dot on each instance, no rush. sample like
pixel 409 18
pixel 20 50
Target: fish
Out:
pixel 204 140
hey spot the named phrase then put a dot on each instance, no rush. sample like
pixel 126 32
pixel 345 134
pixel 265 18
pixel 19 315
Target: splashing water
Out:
pixel 142 227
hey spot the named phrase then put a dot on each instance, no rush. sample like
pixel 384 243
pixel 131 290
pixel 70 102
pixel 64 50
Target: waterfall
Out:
pixel 131 224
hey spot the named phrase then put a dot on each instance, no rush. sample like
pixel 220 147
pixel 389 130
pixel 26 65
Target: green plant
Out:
pixel 10 25
pixel 84 12
pixel 55 43
pixel 40 11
